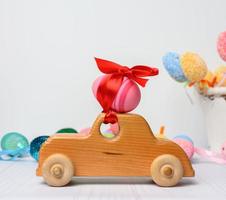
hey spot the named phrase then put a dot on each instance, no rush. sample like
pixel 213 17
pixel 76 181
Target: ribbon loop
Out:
pixel 110 85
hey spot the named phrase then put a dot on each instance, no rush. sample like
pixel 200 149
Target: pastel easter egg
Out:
pixel 13 141
pixel 220 74
pixel 84 131
pixel 221 45
pixel 186 144
pixel 36 145
pixel 114 128
pixel 171 62
pixel 127 98
pixel 108 134
pixel 112 131
pixel 193 66
pixel 67 130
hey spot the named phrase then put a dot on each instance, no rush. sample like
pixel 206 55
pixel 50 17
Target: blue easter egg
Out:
pixel 35 146
pixel 14 141
pixel 184 137
pixel 171 62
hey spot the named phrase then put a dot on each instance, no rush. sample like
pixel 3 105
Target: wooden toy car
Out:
pixel 135 151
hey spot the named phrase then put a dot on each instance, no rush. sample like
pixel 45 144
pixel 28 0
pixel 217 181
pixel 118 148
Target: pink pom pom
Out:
pixel 221 45
pixel 187 146
pixel 127 98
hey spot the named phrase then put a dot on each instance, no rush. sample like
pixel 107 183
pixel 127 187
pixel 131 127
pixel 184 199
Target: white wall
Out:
pixel 47 66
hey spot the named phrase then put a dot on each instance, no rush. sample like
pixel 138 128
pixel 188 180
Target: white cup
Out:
pixel 215 120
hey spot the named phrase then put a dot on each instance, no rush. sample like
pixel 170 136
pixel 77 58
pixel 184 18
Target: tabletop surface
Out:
pixel 18 181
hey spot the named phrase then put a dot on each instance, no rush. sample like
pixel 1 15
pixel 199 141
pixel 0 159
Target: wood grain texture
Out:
pixel 129 154
pixel 19 183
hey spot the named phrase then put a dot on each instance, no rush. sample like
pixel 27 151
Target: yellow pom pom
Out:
pixel 206 82
pixel 220 73
pixel 193 66
pixel 209 77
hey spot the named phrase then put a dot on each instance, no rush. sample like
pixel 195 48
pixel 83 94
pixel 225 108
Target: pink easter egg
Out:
pixel 187 146
pixel 221 45
pixel 85 131
pixel 127 98
pixel 114 128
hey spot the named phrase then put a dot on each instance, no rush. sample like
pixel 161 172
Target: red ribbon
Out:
pixel 111 83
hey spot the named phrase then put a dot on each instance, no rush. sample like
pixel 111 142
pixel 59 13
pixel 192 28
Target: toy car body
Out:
pixel 135 151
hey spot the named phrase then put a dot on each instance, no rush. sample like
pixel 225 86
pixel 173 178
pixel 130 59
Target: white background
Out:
pixel 47 66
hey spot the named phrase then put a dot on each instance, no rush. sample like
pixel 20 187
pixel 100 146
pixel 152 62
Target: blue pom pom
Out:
pixel 35 146
pixel 171 62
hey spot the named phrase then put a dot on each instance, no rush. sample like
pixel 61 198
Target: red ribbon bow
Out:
pixel 111 83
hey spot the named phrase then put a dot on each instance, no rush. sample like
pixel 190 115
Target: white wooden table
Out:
pixel 18 181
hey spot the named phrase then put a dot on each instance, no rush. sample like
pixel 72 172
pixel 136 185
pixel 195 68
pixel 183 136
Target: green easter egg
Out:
pixel 14 140
pixel 108 135
pixel 67 130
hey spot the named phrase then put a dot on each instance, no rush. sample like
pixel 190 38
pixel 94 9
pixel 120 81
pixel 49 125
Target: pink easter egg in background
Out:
pixel 221 45
pixel 114 128
pixel 85 131
pixel 127 98
pixel 187 146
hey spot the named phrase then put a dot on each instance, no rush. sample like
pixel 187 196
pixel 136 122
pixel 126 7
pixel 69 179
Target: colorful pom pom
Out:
pixel 220 74
pixel 208 81
pixel 171 62
pixel 221 45
pixel 193 66
pixel 209 77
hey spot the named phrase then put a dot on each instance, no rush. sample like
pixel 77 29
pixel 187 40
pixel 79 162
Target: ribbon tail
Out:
pixel 141 81
pixel 141 70
pixel 107 67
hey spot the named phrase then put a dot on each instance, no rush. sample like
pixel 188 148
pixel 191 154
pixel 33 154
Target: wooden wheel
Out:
pixel 166 170
pixel 57 170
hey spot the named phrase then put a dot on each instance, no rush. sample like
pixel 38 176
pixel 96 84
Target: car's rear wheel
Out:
pixel 166 170
pixel 57 170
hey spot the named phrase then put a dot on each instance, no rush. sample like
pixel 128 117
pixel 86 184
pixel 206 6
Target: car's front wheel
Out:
pixel 57 170
pixel 166 170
